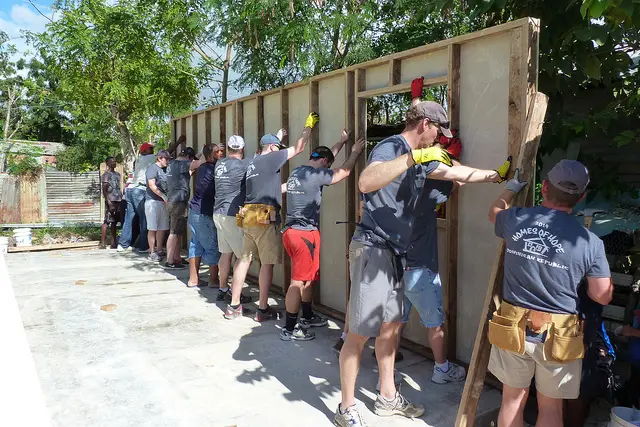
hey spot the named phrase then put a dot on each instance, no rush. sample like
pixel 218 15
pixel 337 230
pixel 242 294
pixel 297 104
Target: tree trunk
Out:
pixel 127 143
pixel 10 100
pixel 225 73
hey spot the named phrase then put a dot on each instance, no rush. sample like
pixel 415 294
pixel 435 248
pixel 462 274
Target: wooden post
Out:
pixel 239 118
pixel 525 161
pixel 207 127
pixel 395 71
pixel 284 173
pixel 361 132
pixel 351 193
pixel 450 294
pixel 194 132
pixel 260 101
pixel 223 129
pixel 183 131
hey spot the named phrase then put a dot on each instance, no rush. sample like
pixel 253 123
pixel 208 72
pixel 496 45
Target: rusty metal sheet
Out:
pixel 73 197
pixel 31 190
pixel 9 199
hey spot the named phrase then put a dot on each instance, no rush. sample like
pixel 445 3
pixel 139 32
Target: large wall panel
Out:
pixel 251 137
pixel 272 113
pixel 429 65
pixel 377 77
pixel 202 132
pixel 484 89
pixel 229 115
pixel 188 131
pixel 298 112
pixel 333 268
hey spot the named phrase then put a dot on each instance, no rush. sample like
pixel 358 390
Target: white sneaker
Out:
pixel 397 379
pixel 121 249
pixel 455 373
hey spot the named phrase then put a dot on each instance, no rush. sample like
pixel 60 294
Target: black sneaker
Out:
pixel 338 346
pixel 316 321
pixel 226 296
pixel 298 334
pixel 399 356
pixel 173 266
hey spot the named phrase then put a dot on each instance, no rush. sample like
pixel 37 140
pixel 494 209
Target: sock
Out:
pixel 290 321
pixel 307 311
pixel 224 289
pixel 264 310
pixel 235 307
pixel 343 336
pixel 444 367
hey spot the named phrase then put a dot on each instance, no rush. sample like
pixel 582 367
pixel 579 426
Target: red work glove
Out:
pixel 416 87
pixel 452 145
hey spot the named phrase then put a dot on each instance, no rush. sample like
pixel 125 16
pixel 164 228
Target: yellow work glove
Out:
pixel 503 170
pixel 431 154
pixel 312 120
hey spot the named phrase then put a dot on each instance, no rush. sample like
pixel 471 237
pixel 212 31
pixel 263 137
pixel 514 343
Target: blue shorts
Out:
pixel 423 290
pixel 204 239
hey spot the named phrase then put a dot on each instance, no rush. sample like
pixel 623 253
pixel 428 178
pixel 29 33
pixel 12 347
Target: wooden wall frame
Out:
pixel 449 62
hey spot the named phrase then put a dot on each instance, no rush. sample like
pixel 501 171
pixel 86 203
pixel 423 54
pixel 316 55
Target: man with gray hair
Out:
pixel 536 331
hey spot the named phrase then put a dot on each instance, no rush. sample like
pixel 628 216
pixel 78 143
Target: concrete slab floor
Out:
pixel 166 357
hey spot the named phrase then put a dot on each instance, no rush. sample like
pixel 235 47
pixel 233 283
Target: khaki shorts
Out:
pixel 262 244
pixel 230 236
pixel 553 379
pixel 376 296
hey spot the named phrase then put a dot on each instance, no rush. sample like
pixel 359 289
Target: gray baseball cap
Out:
pixel 569 176
pixel 270 139
pixel 435 113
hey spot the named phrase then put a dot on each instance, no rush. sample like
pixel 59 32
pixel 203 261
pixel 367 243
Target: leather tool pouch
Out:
pixel 565 340
pixel 506 328
pixel 258 215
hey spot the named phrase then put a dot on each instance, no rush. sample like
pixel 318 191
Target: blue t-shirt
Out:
pixel 204 194
pixel 304 194
pixel 548 253
pixel 387 214
pixel 423 249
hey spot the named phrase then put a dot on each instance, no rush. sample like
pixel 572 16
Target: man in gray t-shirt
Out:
pixel 547 254
pixel 262 241
pixel 155 206
pixel 301 236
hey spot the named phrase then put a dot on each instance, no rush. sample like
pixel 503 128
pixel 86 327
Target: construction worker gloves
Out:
pixel 312 120
pixel 431 154
pixel 503 170
pixel 514 184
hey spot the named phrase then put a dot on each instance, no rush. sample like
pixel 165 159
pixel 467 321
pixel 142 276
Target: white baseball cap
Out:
pixel 236 142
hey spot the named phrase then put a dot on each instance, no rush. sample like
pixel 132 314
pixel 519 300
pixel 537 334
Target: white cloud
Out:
pixel 22 18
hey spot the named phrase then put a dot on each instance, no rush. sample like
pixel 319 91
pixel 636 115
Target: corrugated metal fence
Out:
pixel 9 199
pixel 73 197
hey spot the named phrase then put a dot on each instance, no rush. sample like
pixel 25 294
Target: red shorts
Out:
pixel 303 247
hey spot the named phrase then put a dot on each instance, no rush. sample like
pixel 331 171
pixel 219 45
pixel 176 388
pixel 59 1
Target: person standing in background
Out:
pixel 110 182
pixel 155 205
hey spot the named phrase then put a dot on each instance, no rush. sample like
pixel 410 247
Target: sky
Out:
pixel 17 16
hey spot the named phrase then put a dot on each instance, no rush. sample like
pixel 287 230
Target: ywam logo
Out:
pixel 221 169
pixel 251 168
pixel 536 246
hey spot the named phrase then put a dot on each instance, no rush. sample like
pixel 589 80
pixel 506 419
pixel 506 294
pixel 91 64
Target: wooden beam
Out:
pixel 395 72
pixel 481 350
pixel 284 173
pixel 183 131
pixel 402 87
pixel 360 126
pixel 223 129
pixel 53 247
pixel 260 101
pixel 194 133
pixel 450 291
pixel 517 93
pixel 207 127
pixel 352 193
pixel 239 119
pixel 314 139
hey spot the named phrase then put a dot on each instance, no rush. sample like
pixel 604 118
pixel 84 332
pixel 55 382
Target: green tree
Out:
pixel 124 61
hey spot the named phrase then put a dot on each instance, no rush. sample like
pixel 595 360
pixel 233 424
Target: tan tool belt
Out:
pixel 256 215
pixel 564 338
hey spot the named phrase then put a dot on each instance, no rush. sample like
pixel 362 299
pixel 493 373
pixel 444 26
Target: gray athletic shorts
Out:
pixel 376 295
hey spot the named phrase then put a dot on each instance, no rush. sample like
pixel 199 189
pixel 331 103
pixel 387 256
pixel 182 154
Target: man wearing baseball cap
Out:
pixel 135 196
pixel 229 197
pixel 260 217
pixel 536 331
pixel 377 252
pixel 155 205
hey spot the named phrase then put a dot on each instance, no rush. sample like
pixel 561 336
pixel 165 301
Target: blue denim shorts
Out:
pixel 204 239
pixel 423 290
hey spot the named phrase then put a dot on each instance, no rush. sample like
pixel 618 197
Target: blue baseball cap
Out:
pixel 270 139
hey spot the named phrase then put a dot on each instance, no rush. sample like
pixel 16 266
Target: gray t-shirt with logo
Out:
pixel 304 195
pixel 548 253
pixel 230 186
pixel 423 249
pixel 263 180
pixel 156 172
pixel 178 178
pixel 112 179
pixel 388 213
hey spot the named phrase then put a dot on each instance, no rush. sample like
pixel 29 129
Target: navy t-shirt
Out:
pixel 548 253
pixel 304 194
pixel 202 200
pixel 388 213
pixel 264 185
pixel 423 249
pixel 230 186
pixel 178 178
pixel 156 172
